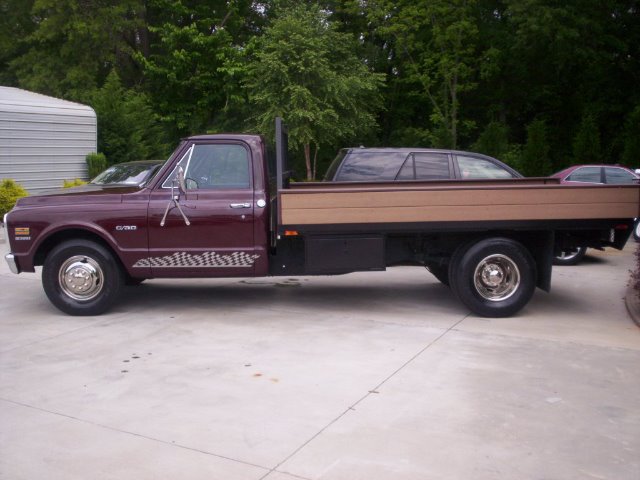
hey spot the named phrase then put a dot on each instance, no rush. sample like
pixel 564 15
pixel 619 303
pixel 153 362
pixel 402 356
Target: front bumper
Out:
pixel 9 257
pixel 13 265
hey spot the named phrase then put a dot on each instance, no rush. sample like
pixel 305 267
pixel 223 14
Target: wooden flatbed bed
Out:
pixel 462 201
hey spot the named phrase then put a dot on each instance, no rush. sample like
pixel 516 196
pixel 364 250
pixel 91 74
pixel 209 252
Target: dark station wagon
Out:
pixel 390 164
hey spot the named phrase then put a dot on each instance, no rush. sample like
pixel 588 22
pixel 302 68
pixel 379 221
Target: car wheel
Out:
pixel 570 256
pixel 636 230
pixel 494 277
pixel 81 277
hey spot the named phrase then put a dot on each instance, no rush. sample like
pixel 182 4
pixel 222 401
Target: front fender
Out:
pixel 53 234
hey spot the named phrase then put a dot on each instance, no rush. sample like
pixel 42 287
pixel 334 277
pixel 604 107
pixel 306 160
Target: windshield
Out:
pixel 127 174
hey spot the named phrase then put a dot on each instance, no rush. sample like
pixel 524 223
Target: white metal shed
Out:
pixel 44 140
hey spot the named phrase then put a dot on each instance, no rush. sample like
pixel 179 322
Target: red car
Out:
pixel 605 174
pixel 590 174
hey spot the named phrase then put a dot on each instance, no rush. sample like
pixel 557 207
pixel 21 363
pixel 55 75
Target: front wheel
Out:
pixel 494 277
pixel 81 277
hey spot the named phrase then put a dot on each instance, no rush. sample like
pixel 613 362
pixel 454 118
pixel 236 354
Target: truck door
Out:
pixel 219 206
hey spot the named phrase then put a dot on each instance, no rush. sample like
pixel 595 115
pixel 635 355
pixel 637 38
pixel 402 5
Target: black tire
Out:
pixel 441 273
pixel 493 277
pixel 636 230
pixel 93 281
pixel 570 256
pixel 133 282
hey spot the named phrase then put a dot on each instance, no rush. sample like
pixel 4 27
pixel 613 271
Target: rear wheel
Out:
pixel 570 256
pixel 81 277
pixel 494 277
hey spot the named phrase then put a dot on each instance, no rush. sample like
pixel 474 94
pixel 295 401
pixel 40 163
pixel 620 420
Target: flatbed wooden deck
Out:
pixel 417 202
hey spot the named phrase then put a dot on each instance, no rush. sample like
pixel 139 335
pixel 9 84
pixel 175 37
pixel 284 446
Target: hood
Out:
pixel 83 194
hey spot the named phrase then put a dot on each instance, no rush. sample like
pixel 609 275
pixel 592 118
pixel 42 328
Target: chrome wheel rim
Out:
pixel 81 278
pixel 496 278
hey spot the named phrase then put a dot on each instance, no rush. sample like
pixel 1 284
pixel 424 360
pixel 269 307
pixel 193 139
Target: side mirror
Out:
pixel 174 201
pixel 182 185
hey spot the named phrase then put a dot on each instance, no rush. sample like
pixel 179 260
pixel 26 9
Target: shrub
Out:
pixel 10 192
pixel 96 163
pixel 76 182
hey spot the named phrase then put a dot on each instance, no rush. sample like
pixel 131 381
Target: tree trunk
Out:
pixel 315 161
pixel 307 161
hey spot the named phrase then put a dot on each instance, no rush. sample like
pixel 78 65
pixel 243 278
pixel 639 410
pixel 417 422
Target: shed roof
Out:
pixel 17 100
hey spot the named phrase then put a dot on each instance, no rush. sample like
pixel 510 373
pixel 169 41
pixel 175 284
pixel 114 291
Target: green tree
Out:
pixel 535 154
pixel 194 65
pixel 493 141
pixel 127 126
pixel 586 143
pixel 438 41
pixel 74 45
pixel 306 71
pixel 16 25
pixel 631 138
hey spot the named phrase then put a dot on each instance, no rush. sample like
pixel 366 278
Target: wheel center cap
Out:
pixel 492 275
pixel 80 277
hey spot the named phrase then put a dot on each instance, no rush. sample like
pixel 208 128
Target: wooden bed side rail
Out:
pixel 444 203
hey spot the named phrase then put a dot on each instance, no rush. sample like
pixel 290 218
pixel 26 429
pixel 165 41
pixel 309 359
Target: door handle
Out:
pixel 240 205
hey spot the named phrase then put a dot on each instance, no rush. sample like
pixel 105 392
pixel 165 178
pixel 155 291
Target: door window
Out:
pixel 474 167
pixel 425 166
pixel 370 166
pixel 586 175
pixel 214 166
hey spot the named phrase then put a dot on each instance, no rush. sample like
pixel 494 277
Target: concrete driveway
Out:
pixel 359 377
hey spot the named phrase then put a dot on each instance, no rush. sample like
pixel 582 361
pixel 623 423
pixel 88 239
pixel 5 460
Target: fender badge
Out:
pixel 22 231
pixel 121 228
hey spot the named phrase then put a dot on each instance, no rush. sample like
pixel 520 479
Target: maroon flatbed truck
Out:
pixel 222 206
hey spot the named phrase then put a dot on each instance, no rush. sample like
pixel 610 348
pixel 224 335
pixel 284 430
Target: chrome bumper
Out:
pixel 9 257
pixel 11 260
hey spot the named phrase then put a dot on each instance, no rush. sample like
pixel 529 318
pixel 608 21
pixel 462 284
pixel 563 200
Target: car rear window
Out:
pixel 618 176
pixel 370 166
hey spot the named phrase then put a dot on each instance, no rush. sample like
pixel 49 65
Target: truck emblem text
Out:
pixel 121 228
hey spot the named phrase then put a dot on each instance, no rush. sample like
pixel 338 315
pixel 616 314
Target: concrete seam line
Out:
pixel 369 393
pixel 113 429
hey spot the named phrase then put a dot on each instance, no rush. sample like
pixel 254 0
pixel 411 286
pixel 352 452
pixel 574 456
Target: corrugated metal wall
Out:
pixel 43 140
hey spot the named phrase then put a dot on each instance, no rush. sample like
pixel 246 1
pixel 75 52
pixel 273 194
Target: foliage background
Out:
pixel 540 84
